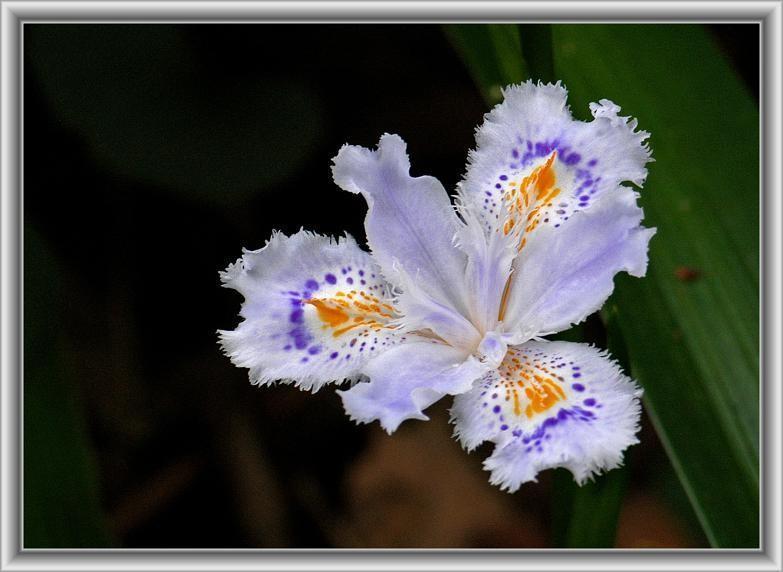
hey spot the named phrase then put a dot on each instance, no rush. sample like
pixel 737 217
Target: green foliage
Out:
pixel 586 516
pixel 492 53
pixel 691 327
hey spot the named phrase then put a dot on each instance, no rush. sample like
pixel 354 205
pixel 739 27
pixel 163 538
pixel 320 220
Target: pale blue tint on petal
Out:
pixel 410 224
pixel 283 336
pixel 512 137
pixel 420 312
pixel 531 133
pixel 564 274
pixel 407 379
pixel 586 430
pixel 531 124
pixel 487 271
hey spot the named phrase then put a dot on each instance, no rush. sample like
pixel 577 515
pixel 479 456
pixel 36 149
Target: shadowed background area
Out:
pixel 153 153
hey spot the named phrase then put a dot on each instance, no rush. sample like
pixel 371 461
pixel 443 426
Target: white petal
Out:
pixel 564 274
pixel 535 167
pixel 550 404
pixel 409 378
pixel 421 312
pixel 315 310
pixel 532 124
pixel 410 224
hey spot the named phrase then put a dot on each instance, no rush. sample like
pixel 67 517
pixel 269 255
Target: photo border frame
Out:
pixel 15 14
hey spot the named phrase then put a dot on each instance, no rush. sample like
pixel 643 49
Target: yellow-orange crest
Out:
pixel 347 311
pixel 530 386
pixel 525 198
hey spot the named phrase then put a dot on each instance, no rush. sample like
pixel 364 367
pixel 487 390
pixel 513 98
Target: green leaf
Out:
pixel 61 507
pixel 691 326
pixel 536 40
pixel 492 53
pixel 586 516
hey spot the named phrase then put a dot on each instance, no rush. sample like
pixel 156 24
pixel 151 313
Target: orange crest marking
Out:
pixel 525 200
pixel 355 309
pixel 524 204
pixel 533 387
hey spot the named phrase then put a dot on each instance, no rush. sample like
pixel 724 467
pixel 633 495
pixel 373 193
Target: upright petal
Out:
pixel 409 378
pixel 410 224
pixel 564 274
pixel 315 310
pixel 550 404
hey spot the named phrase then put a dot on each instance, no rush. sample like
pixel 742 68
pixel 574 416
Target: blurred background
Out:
pixel 154 153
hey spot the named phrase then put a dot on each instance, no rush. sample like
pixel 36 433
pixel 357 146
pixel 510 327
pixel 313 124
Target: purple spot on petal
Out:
pixel 311 285
pixel 589 402
pixel 349 280
pixel 333 355
pixel 578 387
pixel 496 409
pixel 330 278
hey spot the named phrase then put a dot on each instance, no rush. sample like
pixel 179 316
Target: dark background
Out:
pixel 152 155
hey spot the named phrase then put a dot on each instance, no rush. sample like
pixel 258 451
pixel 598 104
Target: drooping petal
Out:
pixel 410 225
pixel 534 167
pixel 550 404
pixel 407 379
pixel 564 274
pixel 315 310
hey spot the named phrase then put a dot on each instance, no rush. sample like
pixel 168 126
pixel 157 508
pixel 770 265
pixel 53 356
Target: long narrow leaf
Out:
pixel 691 326
pixel 492 53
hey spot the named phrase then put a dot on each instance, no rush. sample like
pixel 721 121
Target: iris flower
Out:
pixel 456 299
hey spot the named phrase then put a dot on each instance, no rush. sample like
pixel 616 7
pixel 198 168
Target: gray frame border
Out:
pixel 13 14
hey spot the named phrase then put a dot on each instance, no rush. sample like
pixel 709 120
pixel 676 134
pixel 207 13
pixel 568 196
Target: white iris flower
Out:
pixel 456 301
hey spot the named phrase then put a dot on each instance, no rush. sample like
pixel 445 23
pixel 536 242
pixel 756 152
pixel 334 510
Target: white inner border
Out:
pixel 12 16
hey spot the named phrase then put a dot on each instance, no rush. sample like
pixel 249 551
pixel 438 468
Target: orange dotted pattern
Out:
pixel 529 386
